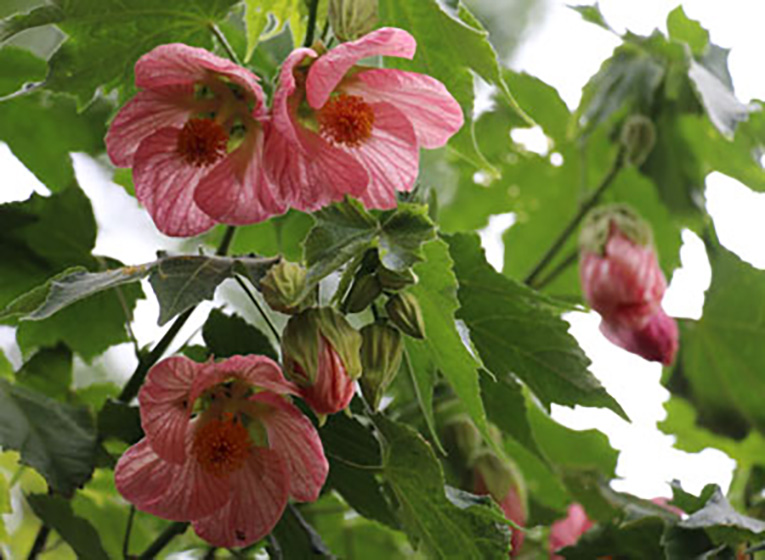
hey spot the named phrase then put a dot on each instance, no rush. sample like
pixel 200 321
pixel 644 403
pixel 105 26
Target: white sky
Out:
pixel 563 51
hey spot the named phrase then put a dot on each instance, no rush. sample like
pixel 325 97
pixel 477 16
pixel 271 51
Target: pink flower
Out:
pixel 624 283
pixel 333 388
pixel 224 448
pixel 339 128
pixel 566 532
pixel 194 137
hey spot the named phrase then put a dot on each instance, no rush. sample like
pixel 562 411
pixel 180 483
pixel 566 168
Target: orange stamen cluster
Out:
pixel 222 446
pixel 346 119
pixel 202 142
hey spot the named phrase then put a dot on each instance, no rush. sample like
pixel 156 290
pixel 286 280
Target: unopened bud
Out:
pixel 460 433
pixel 394 281
pixel 350 19
pixel 638 136
pixel 284 286
pixel 381 352
pixel 363 292
pixel 404 311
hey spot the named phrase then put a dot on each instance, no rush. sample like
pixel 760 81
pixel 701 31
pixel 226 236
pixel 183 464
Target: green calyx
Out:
pixel 404 312
pixel 461 434
pixel 350 19
pixel 500 476
pixel 381 352
pixel 597 226
pixel 300 344
pixel 283 288
pixel 363 292
pixel 638 137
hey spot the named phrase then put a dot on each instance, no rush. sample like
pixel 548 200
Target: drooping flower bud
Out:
pixel 350 19
pixel 621 280
pixel 363 292
pixel 321 354
pixel 381 351
pixel 461 434
pixel 404 311
pixel 638 137
pixel 502 480
pixel 393 281
pixel 283 288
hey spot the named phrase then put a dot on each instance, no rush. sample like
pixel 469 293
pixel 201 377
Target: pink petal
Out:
pixel 237 191
pixel 165 183
pixel 260 371
pixel 312 173
pixel 258 499
pixel 281 110
pixel 166 406
pixel 293 436
pixel 169 490
pixel 656 341
pixel 177 63
pixel 566 532
pixel 434 113
pixel 146 113
pixel 330 68
pixel 390 156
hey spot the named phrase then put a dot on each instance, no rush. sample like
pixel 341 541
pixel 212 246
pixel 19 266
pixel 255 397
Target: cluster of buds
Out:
pixel 621 279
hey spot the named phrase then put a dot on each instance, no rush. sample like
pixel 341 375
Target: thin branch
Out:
pixel 570 228
pixel 225 243
pixel 39 545
pixel 259 307
pixel 311 29
pixel 128 530
pixel 555 272
pixel 172 531
pixel 224 43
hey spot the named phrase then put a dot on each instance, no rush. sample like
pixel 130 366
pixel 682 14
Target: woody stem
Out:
pixel 311 29
pixel 570 228
pixel 172 531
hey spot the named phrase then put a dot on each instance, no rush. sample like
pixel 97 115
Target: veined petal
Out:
pixel 166 406
pixel 165 184
pixel 177 63
pixel 434 113
pixel 391 157
pixel 293 436
pixel 257 501
pixel 331 67
pixel 146 113
pixel 180 492
pixel 237 190
pixel 281 117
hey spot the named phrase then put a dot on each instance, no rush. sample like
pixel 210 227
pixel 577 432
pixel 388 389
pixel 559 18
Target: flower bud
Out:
pixel 381 351
pixel 283 287
pixel 350 19
pixel 363 292
pixel 638 137
pixel 393 280
pixel 321 354
pixel 566 532
pixel 404 311
pixel 461 434
pixel 502 480
pixel 657 341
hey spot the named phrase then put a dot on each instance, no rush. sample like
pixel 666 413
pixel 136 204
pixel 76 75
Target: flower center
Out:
pixel 202 142
pixel 222 446
pixel 346 119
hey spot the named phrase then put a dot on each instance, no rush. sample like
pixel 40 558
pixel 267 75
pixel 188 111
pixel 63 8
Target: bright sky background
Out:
pixel 563 51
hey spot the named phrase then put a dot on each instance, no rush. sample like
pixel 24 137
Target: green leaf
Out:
pixel 5 505
pixel 87 61
pixel 20 67
pixel 516 331
pixel 56 513
pixel 688 31
pixel 55 439
pixel 591 14
pixel 403 233
pixel 228 335
pixel 684 544
pixel 722 523
pixel 256 20
pixel 689 503
pixel 48 372
pixel 722 107
pixel 470 530
pixel 636 539
pixel 721 355
pixel 121 421
pixel 436 292
pixel 541 101
pixel 297 539
pixel 281 235
pixel 422 374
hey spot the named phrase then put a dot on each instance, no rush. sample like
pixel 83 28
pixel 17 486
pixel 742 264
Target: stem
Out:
pixel 309 33
pixel 172 531
pixel 259 307
pixel 555 272
pixel 224 43
pixel 39 544
pixel 144 365
pixel 576 220
pixel 128 529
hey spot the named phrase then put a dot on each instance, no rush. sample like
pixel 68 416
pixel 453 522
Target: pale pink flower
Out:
pixel 224 448
pixel 340 128
pixel 194 138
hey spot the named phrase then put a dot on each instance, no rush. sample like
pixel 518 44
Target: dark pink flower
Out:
pixel 656 341
pixel 566 532
pixel 224 448
pixel 194 138
pixel 339 128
